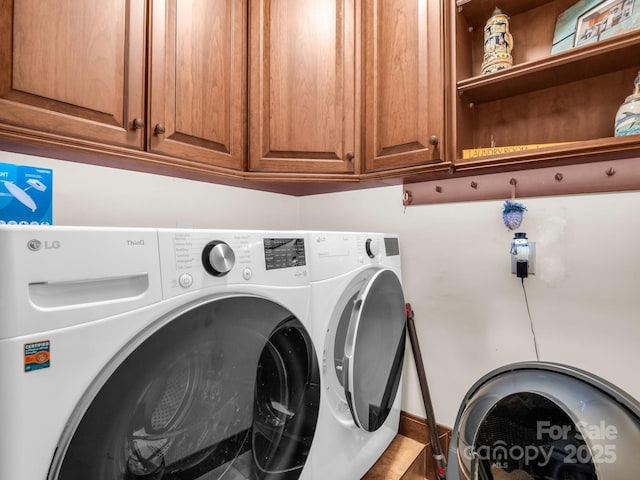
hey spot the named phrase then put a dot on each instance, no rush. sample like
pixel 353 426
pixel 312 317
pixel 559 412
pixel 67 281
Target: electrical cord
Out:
pixel 533 331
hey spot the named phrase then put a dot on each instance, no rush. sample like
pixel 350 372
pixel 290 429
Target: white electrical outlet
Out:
pixel 532 259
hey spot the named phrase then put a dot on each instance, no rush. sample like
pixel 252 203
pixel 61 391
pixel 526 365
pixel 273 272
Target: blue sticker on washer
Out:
pixel 37 355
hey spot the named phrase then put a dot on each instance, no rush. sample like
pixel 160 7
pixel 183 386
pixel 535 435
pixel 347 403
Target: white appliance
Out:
pixel 155 353
pixel 358 327
pixel 545 420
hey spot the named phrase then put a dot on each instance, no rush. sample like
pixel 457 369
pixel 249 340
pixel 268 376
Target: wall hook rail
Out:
pixel 619 175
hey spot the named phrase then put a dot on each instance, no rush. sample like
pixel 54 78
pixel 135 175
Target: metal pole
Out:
pixel 440 461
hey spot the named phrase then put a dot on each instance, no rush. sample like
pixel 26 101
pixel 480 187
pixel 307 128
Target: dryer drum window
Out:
pixel 229 389
pixel 543 421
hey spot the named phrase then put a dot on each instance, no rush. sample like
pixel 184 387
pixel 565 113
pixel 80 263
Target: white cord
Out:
pixel 533 331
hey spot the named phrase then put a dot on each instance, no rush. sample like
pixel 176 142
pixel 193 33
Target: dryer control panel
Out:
pixel 336 253
pixel 195 259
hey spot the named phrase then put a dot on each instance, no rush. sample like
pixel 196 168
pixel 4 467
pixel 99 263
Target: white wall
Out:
pixel 471 315
pixel 470 311
pixel 90 195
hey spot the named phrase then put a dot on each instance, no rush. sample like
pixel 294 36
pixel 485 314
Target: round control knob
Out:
pixel 372 248
pixel 218 258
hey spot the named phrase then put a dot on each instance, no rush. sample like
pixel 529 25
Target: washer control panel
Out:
pixel 196 259
pixel 284 253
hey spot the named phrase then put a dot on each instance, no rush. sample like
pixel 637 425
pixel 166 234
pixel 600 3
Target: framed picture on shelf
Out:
pixel 590 21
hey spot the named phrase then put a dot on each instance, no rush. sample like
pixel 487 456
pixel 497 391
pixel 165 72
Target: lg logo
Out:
pixel 34 245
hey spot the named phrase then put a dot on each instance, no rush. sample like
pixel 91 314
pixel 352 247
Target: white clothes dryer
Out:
pixel 130 354
pixel 358 326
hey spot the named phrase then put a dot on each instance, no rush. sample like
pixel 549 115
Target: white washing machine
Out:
pixel 129 354
pixel 358 327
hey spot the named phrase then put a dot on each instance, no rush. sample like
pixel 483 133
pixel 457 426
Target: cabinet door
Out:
pixel 74 68
pixel 404 95
pixel 197 80
pixel 302 86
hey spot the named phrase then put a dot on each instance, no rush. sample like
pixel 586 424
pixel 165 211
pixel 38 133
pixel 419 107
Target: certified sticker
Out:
pixel 37 355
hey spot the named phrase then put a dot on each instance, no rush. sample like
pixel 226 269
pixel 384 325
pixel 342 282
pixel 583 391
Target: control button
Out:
pixel 185 280
pixel 247 273
pixel 218 258
pixel 372 248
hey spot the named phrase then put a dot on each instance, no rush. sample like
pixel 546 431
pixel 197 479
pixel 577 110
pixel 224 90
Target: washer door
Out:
pixel 227 389
pixel 368 347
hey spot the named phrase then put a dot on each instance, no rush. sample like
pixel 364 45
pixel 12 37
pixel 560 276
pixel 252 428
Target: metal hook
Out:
pixel 407 198
pixel 513 183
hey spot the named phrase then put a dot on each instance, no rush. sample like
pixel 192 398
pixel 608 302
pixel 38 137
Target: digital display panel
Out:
pixel 391 246
pixel 284 252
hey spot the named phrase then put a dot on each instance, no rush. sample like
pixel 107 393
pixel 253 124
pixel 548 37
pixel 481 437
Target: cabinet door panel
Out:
pixel 404 97
pixel 302 80
pixel 198 79
pixel 74 68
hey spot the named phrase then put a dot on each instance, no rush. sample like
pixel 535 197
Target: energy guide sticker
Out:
pixel 37 355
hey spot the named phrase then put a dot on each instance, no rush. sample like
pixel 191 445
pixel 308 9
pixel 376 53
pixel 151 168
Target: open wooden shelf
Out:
pixel 570 97
pixel 618 53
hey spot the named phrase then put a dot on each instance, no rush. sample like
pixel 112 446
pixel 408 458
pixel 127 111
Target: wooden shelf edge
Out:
pixel 606 56
pixel 436 166
pixel 25 141
pixel 600 150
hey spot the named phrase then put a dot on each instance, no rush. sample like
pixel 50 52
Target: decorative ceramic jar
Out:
pixel 628 116
pixel 498 43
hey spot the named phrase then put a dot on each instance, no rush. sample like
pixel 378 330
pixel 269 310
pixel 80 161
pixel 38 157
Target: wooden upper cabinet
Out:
pixel 74 68
pixel 198 80
pixel 404 92
pixel 302 86
pixel 335 88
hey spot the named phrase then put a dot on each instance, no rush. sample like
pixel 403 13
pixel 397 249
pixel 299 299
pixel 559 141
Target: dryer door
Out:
pixel 369 348
pixel 227 389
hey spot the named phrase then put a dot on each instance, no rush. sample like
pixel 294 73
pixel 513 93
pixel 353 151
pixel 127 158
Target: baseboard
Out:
pixel 417 428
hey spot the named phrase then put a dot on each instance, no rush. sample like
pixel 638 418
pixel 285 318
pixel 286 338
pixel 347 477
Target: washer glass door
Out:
pixel 368 348
pixel 228 389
